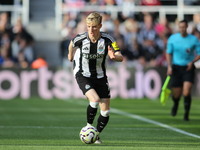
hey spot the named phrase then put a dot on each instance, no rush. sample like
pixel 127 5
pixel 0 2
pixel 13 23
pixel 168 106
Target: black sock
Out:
pixel 175 100
pixel 102 122
pixel 187 103
pixel 91 113
pixel 175 106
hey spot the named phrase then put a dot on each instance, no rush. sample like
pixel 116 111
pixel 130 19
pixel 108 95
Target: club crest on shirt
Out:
pixel 101 46
pixel 100 49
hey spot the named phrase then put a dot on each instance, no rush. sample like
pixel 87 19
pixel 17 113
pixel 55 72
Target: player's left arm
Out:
pixel 114 52
pixel 197 47
pixel 191 64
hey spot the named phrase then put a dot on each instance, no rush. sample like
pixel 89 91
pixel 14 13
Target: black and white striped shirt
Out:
pixel 90 58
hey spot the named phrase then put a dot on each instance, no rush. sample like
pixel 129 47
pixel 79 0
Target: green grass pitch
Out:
pixel 37 124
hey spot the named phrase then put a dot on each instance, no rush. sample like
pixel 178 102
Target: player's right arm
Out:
pixel 71 51
pixel 75 43
pixel 197 48
pixel 169 53
pixel 169 63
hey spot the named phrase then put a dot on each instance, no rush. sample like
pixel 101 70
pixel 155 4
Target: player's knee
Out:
pixel 186 93
pixel 94 104
pixel 105 113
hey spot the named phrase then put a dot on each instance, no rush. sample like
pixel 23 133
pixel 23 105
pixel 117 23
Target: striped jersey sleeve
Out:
pixel 113 43
pixel 77 41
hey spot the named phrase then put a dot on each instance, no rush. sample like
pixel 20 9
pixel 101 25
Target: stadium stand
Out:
pixel 53 23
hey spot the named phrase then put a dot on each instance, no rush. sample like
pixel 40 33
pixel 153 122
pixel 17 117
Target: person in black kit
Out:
pixel 88 51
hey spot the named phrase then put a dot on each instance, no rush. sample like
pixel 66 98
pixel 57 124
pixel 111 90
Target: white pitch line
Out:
pixel 119 112
pixel 57 127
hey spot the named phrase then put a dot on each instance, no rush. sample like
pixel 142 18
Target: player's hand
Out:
pixel 111 53
pixel 189 66
pixel 169 70
pixel 116 56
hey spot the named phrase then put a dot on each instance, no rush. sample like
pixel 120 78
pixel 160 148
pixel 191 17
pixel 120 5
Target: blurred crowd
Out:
pixel 16 44
pixel 141 37
pixel 79 3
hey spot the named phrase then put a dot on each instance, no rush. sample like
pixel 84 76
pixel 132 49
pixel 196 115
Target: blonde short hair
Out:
pixel 94 17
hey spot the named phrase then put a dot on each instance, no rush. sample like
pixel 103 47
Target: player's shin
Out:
pixel 103 120
pixel 91 112
pixel 187 105
pixel 175 106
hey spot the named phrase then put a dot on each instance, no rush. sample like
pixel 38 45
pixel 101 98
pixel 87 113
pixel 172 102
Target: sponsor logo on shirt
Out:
pixel 85 49
pixel 92 56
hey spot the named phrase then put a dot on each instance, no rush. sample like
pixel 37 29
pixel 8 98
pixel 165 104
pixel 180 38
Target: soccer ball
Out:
pixel 88 134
